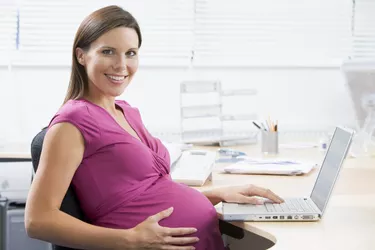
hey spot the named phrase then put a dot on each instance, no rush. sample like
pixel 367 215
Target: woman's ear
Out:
pixel 80 54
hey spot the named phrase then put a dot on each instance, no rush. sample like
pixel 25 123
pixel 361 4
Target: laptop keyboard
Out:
pixel 290 205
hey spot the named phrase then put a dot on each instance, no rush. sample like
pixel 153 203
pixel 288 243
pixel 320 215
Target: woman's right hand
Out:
pixel 150 235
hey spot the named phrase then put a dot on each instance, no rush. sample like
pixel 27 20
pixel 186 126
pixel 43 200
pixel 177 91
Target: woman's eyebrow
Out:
pixel 107 47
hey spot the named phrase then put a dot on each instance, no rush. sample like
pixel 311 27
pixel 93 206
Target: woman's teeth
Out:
pixel 116 78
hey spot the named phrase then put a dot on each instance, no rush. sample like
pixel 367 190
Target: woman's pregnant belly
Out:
pixel 191 209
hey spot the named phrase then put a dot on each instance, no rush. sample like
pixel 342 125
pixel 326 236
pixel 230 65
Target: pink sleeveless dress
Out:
pixel 121 181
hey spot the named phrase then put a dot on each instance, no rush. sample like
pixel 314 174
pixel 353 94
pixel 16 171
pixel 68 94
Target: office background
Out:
pixel 290 51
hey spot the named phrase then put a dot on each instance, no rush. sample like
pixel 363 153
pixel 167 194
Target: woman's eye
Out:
pixel 131 53
pixel 107 52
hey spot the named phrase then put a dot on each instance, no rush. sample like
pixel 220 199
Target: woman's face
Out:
pixel 111 61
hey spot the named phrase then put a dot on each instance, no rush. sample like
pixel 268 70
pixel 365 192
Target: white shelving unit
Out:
pixel 202 117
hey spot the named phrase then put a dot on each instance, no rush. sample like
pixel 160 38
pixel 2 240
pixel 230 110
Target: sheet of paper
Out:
pixel 288 168
pixel 298 145
pixel 283 161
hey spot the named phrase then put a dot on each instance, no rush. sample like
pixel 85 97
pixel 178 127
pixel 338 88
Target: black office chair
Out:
pixel 70 203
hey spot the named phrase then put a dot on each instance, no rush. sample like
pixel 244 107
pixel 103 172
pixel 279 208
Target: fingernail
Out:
pixel 196 239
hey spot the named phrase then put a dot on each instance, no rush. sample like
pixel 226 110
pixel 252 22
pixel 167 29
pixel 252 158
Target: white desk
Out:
pixel 349 220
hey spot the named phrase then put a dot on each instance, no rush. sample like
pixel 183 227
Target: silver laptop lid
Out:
pixel 331 166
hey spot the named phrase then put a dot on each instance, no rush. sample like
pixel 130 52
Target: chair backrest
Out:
pixel 70 204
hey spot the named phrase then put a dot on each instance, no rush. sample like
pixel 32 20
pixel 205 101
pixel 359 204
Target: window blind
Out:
pixel 8 31
pixel 47 29
pixel 272 32
pixel 364 29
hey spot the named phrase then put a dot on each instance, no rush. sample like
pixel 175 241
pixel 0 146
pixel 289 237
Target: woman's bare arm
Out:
pixel 62 153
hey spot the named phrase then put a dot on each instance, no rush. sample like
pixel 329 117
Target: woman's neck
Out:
pixel 106 103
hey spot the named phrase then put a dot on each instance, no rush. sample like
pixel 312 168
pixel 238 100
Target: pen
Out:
pixel 256 125
pixel 265 128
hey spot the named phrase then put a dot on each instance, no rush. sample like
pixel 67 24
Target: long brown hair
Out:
pixel 92 27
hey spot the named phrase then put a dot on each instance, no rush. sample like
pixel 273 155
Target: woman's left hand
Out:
pixel 247 194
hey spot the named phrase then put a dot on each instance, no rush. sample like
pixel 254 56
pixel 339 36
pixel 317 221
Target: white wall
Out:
pixel 300 98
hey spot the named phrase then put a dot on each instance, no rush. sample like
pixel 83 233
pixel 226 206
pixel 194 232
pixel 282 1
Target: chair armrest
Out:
pixel 231 230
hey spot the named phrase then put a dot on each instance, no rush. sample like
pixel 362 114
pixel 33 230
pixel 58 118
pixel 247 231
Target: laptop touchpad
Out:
pixel 249 208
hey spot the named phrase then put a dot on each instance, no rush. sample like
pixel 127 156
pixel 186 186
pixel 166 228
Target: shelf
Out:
pixel 201 111
pixel 210 137
pixel 237 92
pixel 239 117
pixel 200 87
pixel 211 132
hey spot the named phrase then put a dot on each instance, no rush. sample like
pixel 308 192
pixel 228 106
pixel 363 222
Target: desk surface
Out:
pixel 15 151
pixel 15 155
pixel 349 220
pixel 348 223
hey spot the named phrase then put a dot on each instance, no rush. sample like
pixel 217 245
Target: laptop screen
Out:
pixel 331 165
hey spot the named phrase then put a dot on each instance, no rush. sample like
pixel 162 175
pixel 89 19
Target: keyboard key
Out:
pixel 270 207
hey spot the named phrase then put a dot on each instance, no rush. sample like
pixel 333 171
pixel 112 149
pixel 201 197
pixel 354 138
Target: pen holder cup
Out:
pixel 269 142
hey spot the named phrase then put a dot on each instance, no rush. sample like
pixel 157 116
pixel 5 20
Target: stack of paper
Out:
pixel 270 166
pixel 175 150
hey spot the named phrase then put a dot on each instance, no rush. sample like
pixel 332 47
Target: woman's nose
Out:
pixel 121 63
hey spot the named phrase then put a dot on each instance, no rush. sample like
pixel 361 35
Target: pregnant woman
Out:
pixel 119 171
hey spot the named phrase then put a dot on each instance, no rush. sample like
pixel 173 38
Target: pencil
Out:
pixel 276 125
pixel 269 124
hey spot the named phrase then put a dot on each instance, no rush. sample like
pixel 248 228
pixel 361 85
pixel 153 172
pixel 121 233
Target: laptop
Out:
pixel 303 208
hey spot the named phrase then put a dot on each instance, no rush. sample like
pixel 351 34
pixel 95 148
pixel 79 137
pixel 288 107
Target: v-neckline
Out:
pixel 117 124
